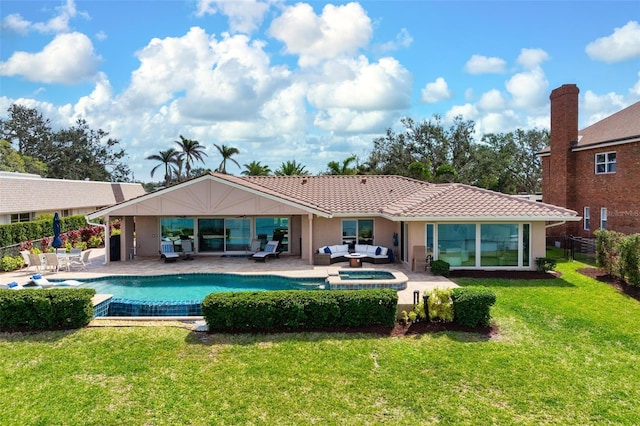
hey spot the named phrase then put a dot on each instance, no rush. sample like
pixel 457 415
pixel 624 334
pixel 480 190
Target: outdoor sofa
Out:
pixel 327 255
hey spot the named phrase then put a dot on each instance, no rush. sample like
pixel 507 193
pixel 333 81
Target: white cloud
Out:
pixel 596 107
pixel 403 40
pixel 212 79
pixel 56 25
pixel 436 91
pixel 622 45
pixel 245 16
pixel 339 30
pixel 479 64
pixel 529 89
pixel 466 111
pixel 492 101
pixel 16 23
pixel 532 58
pixel 100 97
pixel 68 59
pixel 360 85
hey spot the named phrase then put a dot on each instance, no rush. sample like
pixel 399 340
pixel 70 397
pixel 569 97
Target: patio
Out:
pixel 285 265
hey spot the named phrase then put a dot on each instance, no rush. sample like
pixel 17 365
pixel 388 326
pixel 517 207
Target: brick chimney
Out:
pixel 564 133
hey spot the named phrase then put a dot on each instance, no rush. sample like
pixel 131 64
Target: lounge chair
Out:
pixel 42 282
pixel 13 285
pixel 187 249
pixel 167 252
pixel 271 249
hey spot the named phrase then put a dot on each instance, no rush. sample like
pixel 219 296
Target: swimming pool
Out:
pixel 190 287
pixel 182 294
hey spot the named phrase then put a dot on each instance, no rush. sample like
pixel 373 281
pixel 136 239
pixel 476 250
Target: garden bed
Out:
pixel 620 285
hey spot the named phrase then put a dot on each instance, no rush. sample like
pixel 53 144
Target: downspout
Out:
pixel 105 236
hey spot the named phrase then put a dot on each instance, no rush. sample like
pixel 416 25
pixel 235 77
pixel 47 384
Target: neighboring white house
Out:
pixel 467 226
pixel 25 196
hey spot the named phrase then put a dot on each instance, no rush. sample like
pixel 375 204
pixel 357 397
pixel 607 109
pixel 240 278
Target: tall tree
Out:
pixel 191 151
pixel 254 168
pixel 168 159
pixel 84 153
pixel 226 152
pixel 291 168
pixel 344 168
pixel 28 130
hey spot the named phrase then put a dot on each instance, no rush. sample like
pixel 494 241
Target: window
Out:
pixel 603 218
pixel 224 234
pixel 21 217
pixel 499 244
pixel 273 228
pixel 176 229
pixel 357 231
pixel 605 163
pixel 457 244
pixel 586 219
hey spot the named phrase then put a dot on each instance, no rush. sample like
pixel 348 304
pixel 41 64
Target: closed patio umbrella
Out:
pixel 57 241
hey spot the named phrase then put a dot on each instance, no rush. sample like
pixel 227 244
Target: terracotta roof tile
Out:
pixel 397 196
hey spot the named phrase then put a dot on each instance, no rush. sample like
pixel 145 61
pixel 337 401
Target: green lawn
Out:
pixel 568 352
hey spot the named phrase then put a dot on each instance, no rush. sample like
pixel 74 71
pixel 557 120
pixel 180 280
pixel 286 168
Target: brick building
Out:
pixel 594 171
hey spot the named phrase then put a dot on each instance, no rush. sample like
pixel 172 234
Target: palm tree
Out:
pixel 254 168
pixel 291 168
pixel 336 168
pixel 167 159
pixel 226 152
pixel 191 151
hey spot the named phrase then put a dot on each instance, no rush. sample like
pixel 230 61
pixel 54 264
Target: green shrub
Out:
pixel 608 251
pixel 439 304
pixel 630 259
pixel 294 309
pixel 471 306
pixel 38 309
pixel 545 264
pixel 440 267
pixel 11 263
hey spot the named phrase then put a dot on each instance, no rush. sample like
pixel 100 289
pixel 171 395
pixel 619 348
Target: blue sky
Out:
pixel 314 81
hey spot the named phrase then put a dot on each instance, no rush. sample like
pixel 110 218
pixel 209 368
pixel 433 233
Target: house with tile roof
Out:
pixel 594 171
pixel 466 226
pixel 23 197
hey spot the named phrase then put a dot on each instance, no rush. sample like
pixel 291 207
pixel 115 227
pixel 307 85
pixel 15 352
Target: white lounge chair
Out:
pixel 271 249
pixel 167 252
pixel 81 261
pixel 42 282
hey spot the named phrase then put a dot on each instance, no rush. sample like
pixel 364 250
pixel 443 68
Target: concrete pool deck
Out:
pixel 285 265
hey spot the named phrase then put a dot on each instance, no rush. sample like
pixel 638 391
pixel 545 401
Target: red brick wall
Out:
pixel 569 179
pixel 618 192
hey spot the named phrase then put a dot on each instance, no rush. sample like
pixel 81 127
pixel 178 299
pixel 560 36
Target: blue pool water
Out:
pixel 194 286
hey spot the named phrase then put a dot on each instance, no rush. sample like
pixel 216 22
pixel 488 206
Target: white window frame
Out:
pixel 605 161
pixel 586 219
pixel 603 218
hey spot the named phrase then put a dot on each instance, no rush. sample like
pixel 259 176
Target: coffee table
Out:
pixel 355 259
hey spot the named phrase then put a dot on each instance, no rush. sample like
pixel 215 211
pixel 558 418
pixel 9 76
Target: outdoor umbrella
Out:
pixel 57 241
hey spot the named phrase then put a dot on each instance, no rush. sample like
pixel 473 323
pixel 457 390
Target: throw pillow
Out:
pixel 327 250
pixel 378 251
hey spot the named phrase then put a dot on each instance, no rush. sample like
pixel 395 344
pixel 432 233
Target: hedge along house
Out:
pixel 466 226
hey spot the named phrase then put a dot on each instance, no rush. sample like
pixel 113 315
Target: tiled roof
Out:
pixel 397 196
pixel 619 127
pixel 623 124
pixel 27 193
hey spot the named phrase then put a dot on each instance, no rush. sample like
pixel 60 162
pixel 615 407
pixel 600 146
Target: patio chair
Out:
pixel 81 261
pixel 167 252
pixel 421 259
pixel 187 249
pixel 26 262
pixel 51 260
pixel 271 249
pixel 35 261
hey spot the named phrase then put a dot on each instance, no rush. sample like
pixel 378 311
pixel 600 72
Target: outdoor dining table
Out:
pixel 65 259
